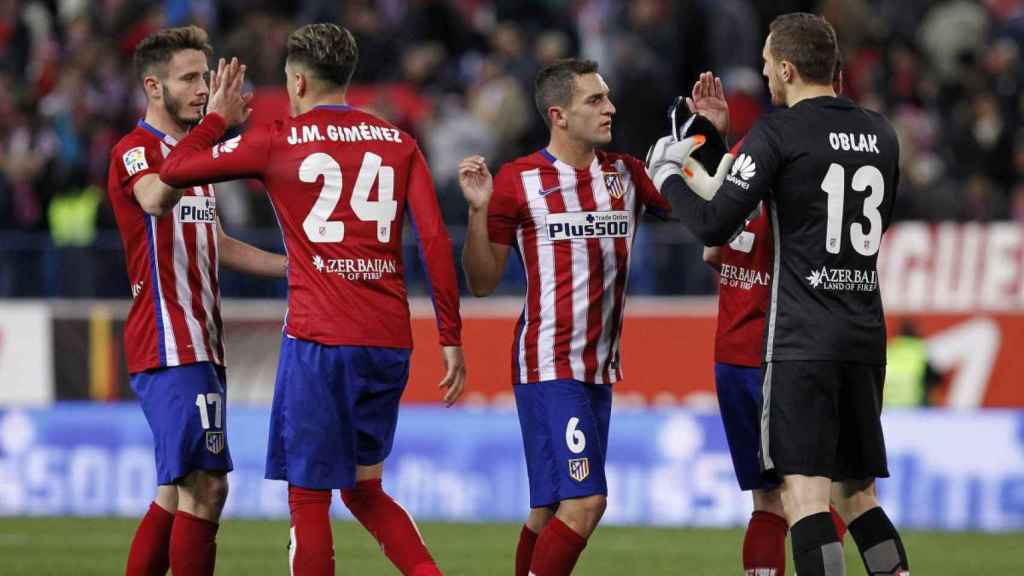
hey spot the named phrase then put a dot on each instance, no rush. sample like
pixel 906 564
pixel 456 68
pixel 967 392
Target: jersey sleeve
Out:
pixel 198 159
pixel 503 211
pixel 647 192
pixel 435 250
pixel 747 183
pixel 135 161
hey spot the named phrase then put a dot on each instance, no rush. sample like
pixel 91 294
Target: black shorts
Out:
pixel 822 419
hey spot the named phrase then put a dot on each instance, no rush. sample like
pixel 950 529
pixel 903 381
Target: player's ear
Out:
pixel 151 84
pixel 787 71
pixel 300 84
pixel 557 116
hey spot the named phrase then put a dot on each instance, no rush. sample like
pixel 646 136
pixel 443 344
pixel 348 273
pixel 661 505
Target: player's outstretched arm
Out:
pixel 249 259
pixel 713 221
pixel 483 260
pixel 155 197
pixel 198 159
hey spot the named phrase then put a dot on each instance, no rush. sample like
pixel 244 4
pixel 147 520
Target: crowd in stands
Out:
pixel 458 74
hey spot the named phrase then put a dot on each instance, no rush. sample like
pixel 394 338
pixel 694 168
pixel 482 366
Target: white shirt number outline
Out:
pixel 574 438
pixel 319 227
pixel 834 184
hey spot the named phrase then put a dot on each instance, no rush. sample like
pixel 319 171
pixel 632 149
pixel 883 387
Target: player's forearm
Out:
pixel 187 163
pixel 155 197
pixel 444 285
pixel 714 223
pixel 478 259
pixel 249 259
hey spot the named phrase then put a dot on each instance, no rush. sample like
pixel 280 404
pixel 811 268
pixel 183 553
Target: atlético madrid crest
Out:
pixel 579 469
pixel 215 441
pixel 613 182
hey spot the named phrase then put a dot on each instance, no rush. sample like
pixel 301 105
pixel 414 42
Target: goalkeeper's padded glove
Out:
pixel 667 156
pixel 698 179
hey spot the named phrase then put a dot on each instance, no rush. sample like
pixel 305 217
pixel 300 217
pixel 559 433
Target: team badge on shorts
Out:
pixel 215 441
pixel 579 469
pixel 613 182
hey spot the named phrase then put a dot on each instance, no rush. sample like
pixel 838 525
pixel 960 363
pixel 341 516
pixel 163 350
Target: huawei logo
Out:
pixel 744 167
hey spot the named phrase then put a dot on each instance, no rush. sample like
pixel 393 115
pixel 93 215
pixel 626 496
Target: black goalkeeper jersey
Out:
pixel 828 172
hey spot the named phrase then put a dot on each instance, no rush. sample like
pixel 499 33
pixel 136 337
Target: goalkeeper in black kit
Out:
pixel 827 171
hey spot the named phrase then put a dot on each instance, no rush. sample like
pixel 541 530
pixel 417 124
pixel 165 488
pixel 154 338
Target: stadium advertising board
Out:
pixel 665 467
pixel 26 363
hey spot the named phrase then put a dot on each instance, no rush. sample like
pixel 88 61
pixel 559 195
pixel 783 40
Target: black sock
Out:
pixel 816 547
pixel 879 543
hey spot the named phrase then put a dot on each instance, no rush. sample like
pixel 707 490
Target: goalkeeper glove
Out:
pixel 698 179
pixel 668 155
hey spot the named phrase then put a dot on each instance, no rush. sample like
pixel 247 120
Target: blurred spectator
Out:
pixel 458 75
pixel 909 376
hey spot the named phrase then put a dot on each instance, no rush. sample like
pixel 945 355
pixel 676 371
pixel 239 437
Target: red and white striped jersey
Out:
pixel 172 262
pixel 574 230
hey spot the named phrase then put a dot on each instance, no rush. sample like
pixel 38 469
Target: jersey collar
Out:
pixel 563 166
pixel 336 107
pixel 165 138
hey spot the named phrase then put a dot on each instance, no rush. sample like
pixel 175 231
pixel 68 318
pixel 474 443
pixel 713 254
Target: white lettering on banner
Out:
pixel 26 355
pixel 971 349
pixel 953 267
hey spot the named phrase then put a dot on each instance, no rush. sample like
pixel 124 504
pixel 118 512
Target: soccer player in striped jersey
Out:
pixel 570 211
pixel 341 182
pixel 173 242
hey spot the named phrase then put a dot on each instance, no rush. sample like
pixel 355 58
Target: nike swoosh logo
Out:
pixel 547 191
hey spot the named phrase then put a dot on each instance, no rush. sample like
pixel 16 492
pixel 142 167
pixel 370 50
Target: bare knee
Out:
pixel 768 501
pixel 582 514
pixel 539 518
pixel 203 494
pixel 852 498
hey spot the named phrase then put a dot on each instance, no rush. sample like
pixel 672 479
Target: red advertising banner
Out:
pixel 668 354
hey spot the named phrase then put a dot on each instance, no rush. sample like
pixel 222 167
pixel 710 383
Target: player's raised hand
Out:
pixel 226 97
pixel 475 181
pixel 708 100
pixel 455 376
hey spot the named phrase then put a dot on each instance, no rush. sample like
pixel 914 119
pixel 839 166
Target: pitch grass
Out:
pixel 78 546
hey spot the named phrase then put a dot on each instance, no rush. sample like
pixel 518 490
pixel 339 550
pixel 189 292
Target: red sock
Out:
pixel 149 554
pixel 193 545
pixel 392 526
pixel 524 551
pixel 311 551
pixel 764 546
pixel 557 550
pixel 840 525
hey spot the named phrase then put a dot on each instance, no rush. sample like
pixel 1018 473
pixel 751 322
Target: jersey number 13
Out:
pixel 834 184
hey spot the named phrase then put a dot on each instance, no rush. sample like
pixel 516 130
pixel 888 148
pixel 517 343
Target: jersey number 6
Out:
pixel 319 227
pixel 574 438
pixel 834 184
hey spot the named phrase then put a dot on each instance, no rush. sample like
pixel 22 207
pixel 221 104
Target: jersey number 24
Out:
pixel 318 225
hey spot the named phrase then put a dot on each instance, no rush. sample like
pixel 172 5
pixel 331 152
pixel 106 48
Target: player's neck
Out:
pixel 331 99
pixel 157 117
pixel 798 93
pixel 577 154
